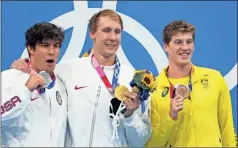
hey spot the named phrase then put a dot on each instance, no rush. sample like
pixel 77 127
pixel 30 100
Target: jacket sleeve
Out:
pixel 225 117
pixel 162 123
pixel 15 95
pixel 138 127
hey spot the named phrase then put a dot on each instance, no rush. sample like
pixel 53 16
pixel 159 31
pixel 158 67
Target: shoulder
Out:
pixel 207 71
pixel 127 68
pixel 73 61
pixel 209 75
pixel 12 77
pixel 67 66
pixel 127 72
pixel 13 74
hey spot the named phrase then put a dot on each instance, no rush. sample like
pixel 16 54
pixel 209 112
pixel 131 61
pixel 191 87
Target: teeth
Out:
pixel 184 54
pixel 111 45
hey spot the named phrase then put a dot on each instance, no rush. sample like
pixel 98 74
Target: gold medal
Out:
pixel 182 90
pixel 120 91
pixel 135 90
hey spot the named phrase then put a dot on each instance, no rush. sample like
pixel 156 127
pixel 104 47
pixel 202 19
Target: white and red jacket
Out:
pixel 31 119
pixel 88 107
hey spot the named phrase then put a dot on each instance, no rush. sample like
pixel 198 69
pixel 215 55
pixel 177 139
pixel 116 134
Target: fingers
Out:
pixel 26 59
pixel 128 102
pixel 179 108
pixel 178 97
pixel 34 82
pixel 132 101
pixel 177 103
pixel 26 70
pixel 41 79
pixel 133 96
pixel 21 64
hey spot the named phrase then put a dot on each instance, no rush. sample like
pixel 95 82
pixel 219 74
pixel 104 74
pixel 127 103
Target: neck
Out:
pixel 104 60
pixel 176 72
pixel 34 67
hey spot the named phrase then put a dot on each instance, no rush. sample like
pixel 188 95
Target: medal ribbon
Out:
pixel 109 86
pixel 172 88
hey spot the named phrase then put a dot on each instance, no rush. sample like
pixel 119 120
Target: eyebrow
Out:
pixel 183 39
pixel 111 28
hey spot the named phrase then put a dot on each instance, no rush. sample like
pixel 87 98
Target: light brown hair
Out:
pixel 175 27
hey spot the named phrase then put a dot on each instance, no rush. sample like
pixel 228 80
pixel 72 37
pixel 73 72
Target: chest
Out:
pixel 53 102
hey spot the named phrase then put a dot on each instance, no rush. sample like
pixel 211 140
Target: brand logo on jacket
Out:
pixel 77 87
pixel 32 99
pixel 165 92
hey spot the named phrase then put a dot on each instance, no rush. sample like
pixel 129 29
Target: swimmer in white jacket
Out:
pixel 90 82
pixel 34 106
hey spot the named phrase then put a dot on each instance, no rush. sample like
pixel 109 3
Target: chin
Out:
pixel 184 62
pixel 50 70
pixel 110 53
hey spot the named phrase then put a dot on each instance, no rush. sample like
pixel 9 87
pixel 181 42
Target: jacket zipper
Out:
pixel 94 116
pixel 50 121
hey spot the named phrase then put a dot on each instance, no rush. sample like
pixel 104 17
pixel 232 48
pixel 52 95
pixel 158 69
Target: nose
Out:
pixel 185 46
pixel 51 50
pixel 112 36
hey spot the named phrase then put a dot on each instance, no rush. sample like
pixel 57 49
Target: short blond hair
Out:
pixel 107 12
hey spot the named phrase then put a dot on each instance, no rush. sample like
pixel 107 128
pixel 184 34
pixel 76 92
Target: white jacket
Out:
pixel 28 118
pixel 88 107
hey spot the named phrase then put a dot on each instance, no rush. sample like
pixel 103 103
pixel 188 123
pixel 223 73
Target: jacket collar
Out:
pixel 162 79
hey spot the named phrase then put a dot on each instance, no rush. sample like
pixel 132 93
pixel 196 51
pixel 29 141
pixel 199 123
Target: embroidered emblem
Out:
pixel 58 98
pixel 204 82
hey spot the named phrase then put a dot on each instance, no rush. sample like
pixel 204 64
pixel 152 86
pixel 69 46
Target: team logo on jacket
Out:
pixel 204 82
pixel 165 92
pixel 58 98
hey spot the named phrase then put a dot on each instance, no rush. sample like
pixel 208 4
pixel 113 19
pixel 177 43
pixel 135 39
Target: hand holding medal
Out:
pixel 47 78
pixel 121 90
pixel 142 84
pixel 182 90
pixel 35 81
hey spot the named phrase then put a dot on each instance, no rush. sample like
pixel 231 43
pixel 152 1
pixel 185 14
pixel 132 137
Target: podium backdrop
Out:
pixel 215 22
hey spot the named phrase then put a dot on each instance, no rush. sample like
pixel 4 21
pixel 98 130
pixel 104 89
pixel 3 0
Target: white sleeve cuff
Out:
pixel 132 120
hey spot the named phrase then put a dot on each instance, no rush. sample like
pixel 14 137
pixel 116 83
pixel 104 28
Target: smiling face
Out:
pixel 180 49
pixel 178 38
pixel 45 56
pixel 107 37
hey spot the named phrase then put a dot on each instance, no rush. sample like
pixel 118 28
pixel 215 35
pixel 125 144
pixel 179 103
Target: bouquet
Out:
pixel 143 83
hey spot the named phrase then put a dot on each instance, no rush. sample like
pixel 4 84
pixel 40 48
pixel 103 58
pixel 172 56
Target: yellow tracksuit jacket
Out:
pixel 206 119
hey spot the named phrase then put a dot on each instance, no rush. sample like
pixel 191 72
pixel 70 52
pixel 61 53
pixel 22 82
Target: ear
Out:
pixel 165 46
pixel 31 50
pixel 92 36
